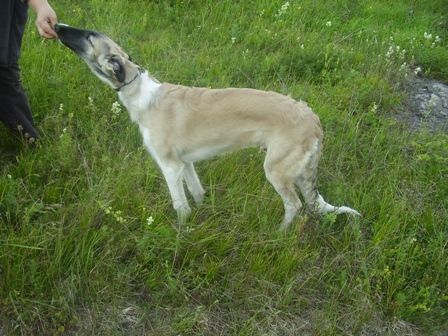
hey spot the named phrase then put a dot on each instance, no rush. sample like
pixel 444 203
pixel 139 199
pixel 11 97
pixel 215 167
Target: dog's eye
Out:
pixel 112 59
pixel 117 67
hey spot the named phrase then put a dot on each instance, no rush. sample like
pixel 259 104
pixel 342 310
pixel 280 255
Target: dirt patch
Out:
pixel 426 106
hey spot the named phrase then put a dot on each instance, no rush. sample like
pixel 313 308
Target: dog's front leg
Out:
pixel 173 173
pixel 193 184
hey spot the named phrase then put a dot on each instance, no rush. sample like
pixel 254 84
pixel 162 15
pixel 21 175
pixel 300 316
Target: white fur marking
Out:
pixel 324 207
pixel 148 144
pixel 138 101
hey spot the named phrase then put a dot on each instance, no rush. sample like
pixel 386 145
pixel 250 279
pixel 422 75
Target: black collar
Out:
pixel 140 71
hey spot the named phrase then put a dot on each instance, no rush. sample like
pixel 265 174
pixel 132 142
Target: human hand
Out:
pixel 46 18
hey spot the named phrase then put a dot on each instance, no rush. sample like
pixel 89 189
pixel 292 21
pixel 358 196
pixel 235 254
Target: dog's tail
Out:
pixel 307 183
pixel 323 207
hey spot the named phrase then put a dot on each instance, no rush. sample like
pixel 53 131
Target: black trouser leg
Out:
pixel 15 110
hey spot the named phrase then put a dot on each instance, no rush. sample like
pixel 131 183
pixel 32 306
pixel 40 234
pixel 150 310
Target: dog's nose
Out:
pixel 58 27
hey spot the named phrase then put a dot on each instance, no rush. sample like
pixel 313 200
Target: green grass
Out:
pixel 78 257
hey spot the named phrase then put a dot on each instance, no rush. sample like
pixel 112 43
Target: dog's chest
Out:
pixel 137 107
pixel 146 135
pixel 138 103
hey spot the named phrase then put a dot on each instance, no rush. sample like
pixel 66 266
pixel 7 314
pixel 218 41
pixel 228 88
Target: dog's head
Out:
pixel 103 56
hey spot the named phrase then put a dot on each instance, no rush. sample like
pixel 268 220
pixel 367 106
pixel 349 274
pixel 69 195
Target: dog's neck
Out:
pixel 139 95
pixel 136 76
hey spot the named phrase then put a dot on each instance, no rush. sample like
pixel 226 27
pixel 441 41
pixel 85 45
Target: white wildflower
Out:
pixel 403 66
pixel 438 39
pixel 283 9
pixel 116 109
pixel 328 24
pixel 118 217
pixel 427 36
pixel 64 130
pixel 233 40
pixel 61 107
pixel 116 214
pixel 390 52
pixel 9 176
pixel 417 70
pixel 285 6
pixel 149 220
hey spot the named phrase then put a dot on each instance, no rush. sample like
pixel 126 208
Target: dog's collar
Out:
pixel 138 74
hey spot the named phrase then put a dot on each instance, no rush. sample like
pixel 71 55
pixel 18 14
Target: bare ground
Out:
pixel 426 105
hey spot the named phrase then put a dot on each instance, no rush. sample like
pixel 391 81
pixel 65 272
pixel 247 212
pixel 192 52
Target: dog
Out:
pixel 181 125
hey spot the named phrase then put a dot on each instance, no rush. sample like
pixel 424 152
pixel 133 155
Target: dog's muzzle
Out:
pixel 74 38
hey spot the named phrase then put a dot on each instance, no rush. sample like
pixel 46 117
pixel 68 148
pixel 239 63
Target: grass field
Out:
pixel 86 242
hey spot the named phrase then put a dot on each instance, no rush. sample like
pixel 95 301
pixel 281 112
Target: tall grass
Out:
pixel 86 242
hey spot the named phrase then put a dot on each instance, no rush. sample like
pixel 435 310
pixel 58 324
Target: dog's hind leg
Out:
pixel 193 184
pixel 278 173
pixel 173 173
pixel 307 181
pixel 307 177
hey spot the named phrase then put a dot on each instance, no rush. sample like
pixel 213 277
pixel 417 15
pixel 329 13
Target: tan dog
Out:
pixel 181 125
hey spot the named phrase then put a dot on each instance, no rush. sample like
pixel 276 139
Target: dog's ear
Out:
pixel 117 67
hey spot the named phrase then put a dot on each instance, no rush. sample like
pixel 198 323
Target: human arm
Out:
pixel 46 18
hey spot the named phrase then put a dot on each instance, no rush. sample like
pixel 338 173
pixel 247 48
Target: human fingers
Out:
pixel 52 21
pixel 45 29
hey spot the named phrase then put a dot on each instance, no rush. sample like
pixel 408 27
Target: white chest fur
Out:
pixel 137 100
pixel 147 142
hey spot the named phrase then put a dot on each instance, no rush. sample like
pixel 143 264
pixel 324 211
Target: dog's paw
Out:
pixel 182 215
